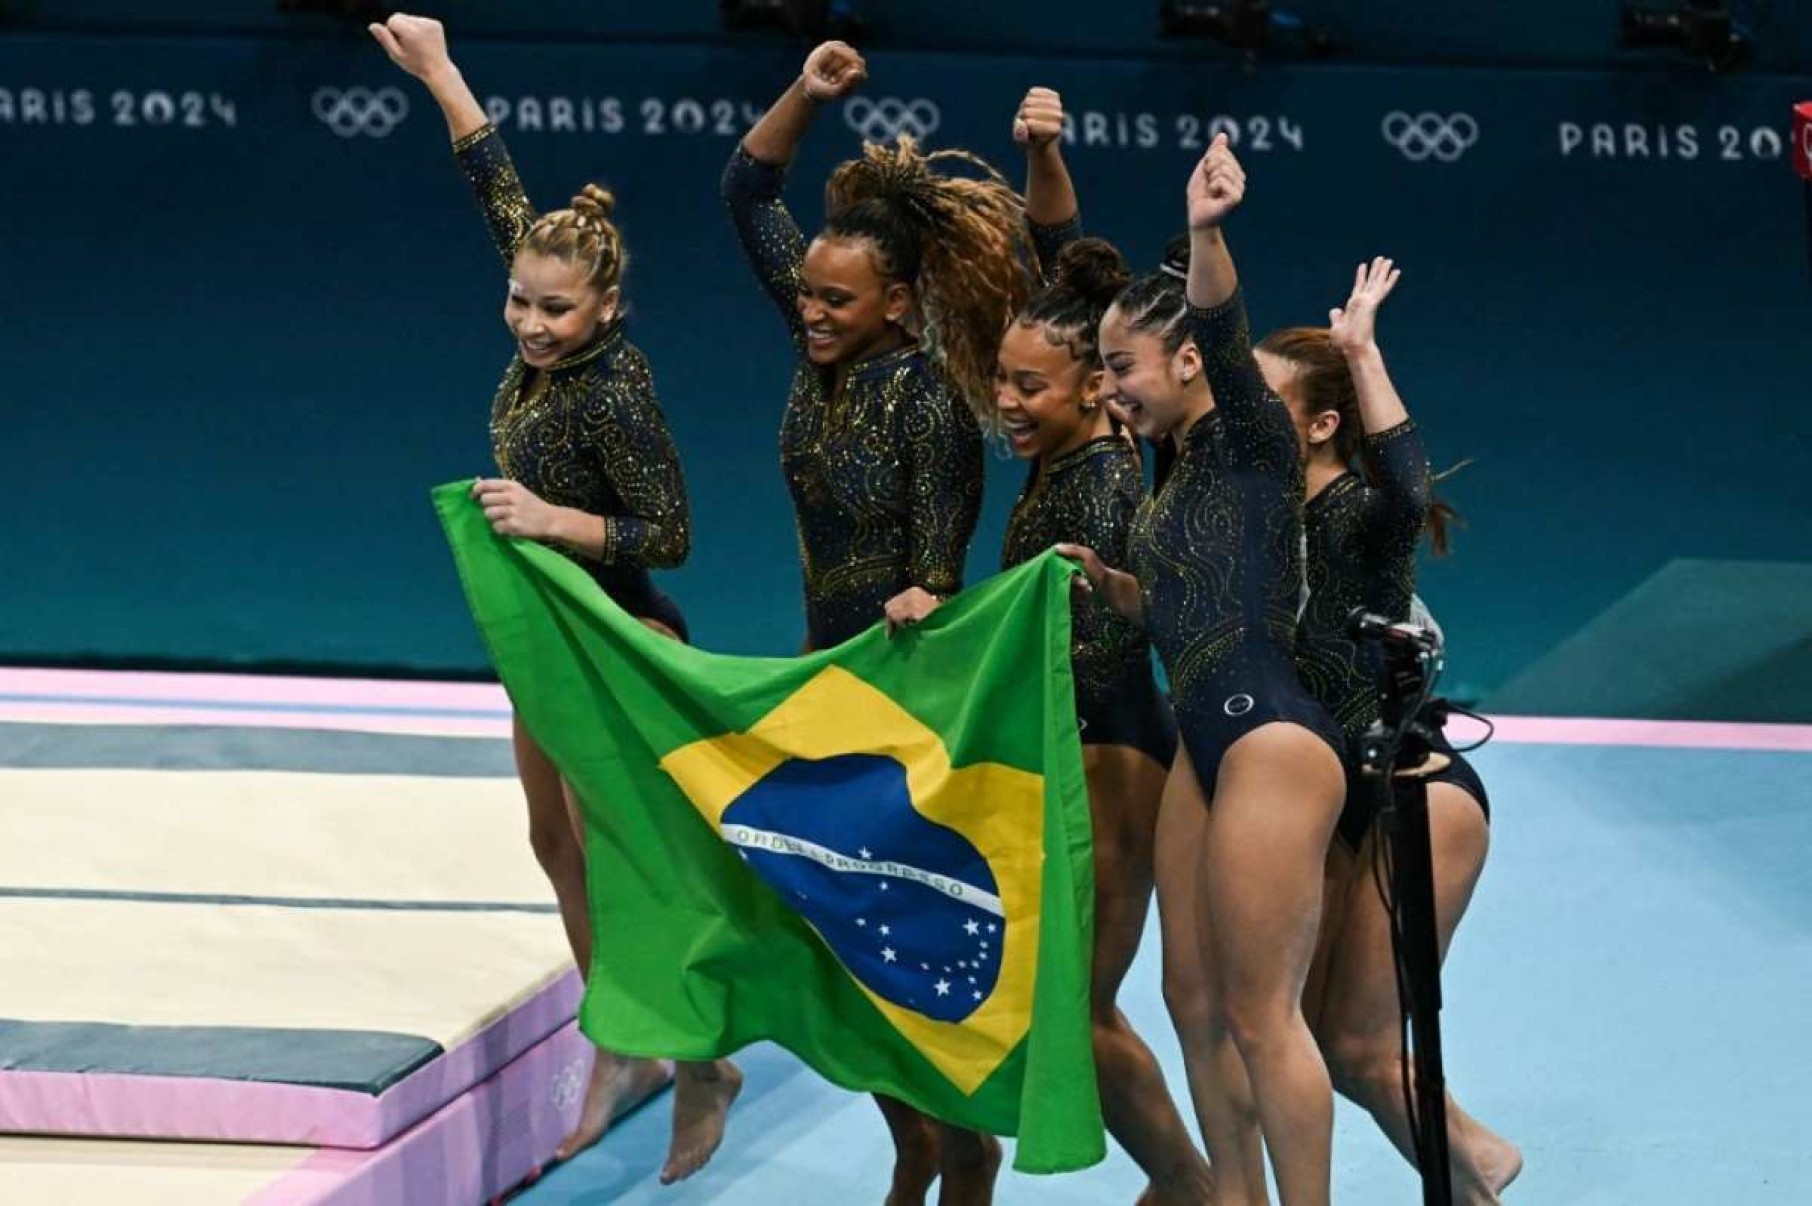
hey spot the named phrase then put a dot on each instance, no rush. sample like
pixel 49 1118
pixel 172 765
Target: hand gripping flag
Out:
pixel 877 855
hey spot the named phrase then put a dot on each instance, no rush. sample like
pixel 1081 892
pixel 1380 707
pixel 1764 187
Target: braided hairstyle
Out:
pixel 1156 303
pixel 1085 279
pixel 1326 383
pixel 583 234
pixel 959 241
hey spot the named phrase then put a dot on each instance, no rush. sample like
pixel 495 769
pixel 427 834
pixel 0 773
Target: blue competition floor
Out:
pixel 1628 1000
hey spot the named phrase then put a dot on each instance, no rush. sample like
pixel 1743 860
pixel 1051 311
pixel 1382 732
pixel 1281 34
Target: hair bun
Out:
pixel 1093 268
pixel 595 203
pixel 1176 258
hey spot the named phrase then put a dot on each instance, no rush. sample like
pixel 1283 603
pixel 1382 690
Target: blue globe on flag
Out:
pixel 908 906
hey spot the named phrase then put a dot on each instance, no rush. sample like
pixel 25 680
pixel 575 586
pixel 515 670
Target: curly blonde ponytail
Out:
pixel 959 240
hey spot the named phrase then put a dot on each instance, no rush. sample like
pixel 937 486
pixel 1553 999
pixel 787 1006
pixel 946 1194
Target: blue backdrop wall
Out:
pixel 249 316
pixel 1549 33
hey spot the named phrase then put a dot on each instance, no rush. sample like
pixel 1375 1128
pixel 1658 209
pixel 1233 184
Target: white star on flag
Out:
pixel 971 928
pixel 943 988
pixel 887 954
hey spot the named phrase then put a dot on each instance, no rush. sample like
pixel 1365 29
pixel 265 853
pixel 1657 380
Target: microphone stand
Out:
pixel 1395 762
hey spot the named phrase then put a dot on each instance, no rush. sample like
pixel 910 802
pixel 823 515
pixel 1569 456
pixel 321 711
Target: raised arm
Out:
pixel 832 71
pixel 1052 211
pixel 1352 329
pixel 1216 187
pixel 1398 463
pixel 756 174
pixel 1255 416
pixel 419 46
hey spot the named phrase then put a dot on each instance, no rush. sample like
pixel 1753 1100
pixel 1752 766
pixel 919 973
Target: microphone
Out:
pixel 1399 634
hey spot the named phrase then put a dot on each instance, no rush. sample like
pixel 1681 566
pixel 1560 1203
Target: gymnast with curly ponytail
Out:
pixel 587 466
pixel 895 309
pixel 958 239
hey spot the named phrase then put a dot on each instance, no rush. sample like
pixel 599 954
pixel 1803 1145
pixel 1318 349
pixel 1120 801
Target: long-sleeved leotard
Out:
pixel 1089 497
pixel 1217 552
pixel 588 432
pixel 1360 542
pixel 1048 241
pixel 886 475
pixel 1360 545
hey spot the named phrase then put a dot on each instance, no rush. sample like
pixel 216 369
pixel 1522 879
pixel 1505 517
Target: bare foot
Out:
pixel 1499 1160
pixel 970 1162
pixel 616 1085
pixel 702 1093
pixel 1198 1191
pixel 915 1165
pixel 1483 1164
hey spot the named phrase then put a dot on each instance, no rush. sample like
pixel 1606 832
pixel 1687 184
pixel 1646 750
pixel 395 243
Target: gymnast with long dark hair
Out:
pixel 1369 501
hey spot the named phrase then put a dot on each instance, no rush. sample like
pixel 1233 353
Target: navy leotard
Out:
pixel 1089 496
pixel 1218 555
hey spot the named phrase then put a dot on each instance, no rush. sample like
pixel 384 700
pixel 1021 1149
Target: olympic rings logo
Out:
pixel 889 117
pixel 1430 135
pixel 351 112
pixel 567 1089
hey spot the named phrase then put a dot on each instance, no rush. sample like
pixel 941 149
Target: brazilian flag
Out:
pixel 877 855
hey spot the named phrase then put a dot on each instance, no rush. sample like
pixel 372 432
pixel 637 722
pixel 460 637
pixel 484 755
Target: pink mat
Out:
pixel 219 1110
pixel 451 709
pixel 488 1141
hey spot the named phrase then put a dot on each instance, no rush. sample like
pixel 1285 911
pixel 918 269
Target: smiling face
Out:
pixel 1154 392
pixel 552 309
pixel 850 310
pixel 1046 398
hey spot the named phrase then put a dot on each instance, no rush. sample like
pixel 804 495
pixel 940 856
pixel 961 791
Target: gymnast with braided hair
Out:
pixel 895 310
pixel 1084 486
pixel 1215 577
pixel 588 467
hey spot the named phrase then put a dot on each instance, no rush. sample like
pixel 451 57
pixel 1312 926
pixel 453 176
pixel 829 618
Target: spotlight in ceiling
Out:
pixel 1703 29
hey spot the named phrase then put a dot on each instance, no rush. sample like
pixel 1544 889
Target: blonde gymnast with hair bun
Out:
pixel 587 466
